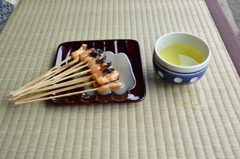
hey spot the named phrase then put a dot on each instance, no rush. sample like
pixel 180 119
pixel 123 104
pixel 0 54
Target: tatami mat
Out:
pixel 200 120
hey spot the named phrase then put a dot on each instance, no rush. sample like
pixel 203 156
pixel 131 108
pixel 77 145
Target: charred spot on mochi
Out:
pixel 106 71
pixel 107 62
pixel 96 52
pixel 99 51
pixel 109 70
pixel 101 59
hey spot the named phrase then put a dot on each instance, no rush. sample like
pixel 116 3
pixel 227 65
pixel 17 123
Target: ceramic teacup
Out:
pixel 178 74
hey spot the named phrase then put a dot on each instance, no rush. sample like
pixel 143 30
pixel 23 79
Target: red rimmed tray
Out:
pixel 127 46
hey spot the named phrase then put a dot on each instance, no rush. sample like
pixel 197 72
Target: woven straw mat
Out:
pixel 201 120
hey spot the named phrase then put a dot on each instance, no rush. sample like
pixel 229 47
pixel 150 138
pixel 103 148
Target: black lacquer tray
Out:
pixel 127 46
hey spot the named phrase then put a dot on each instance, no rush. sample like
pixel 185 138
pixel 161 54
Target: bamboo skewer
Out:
pixel 50 80
pixel 106 87
pixel 72 82
pixel 55 91
pixel 46 83
pixel 42 76
pixel 53 97
pixel 68 72
pixel 60 69
pixel 74 55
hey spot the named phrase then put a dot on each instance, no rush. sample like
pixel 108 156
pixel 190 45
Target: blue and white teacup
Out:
pixel 175 74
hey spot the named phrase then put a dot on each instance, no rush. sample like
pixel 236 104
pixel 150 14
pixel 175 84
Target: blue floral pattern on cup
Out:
pixel 177 77
pixel 175 74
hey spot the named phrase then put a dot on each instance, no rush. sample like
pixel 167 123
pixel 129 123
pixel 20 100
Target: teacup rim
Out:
pixel 205 62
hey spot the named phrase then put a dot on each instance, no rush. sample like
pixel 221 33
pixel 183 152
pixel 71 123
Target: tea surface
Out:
pixel 182 55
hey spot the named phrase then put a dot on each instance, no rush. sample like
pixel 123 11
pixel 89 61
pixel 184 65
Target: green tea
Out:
pixel 182 55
